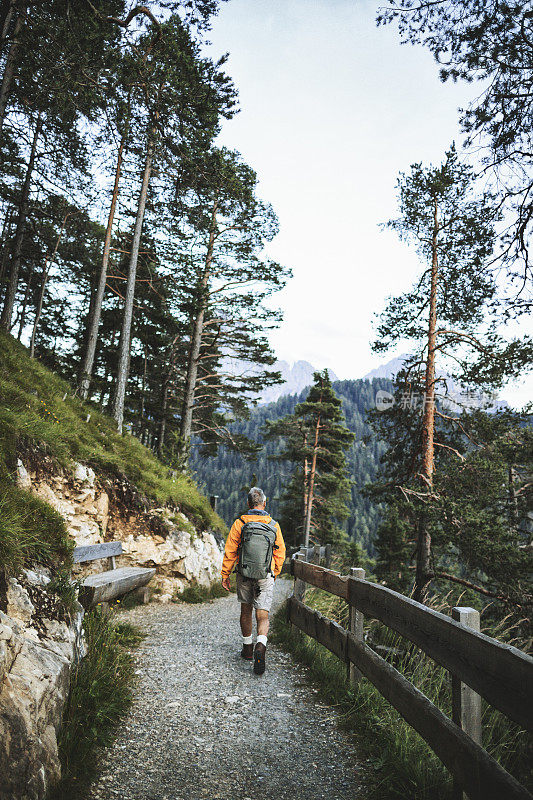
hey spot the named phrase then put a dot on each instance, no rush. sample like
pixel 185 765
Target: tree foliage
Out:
pixel 490 43
pixel 315 440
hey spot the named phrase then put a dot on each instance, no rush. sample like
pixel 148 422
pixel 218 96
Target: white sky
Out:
pixel 332 108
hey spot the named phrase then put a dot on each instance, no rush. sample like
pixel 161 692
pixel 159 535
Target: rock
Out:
pixel 23 478
pixel 84 474
pixel 85 530
pixel 232 698
pixel 166 587
pixel 219 540
pixel 34 684
pixel 19 604
pixel 39 578
pixel 102 511
pixel 5 632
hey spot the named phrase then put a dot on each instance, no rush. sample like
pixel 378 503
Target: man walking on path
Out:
pixel 255 543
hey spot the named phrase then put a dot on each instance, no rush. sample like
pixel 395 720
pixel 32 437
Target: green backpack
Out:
pixel 255 549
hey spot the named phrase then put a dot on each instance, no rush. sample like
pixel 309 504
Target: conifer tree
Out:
pixel 451 314
pixel 185 95
pixel 315 440
pixel 51 88
pixel 226 280
pixel 491 43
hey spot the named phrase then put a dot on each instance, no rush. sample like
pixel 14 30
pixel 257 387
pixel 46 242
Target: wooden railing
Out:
pixel 479 665
pixel 312 554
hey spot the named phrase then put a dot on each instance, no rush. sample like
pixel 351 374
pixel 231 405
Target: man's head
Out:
pixel 256 498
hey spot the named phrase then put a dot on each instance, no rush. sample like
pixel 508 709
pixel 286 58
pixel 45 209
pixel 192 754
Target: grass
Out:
pixel 38 411
pixel 100 694
pixel 403 765
pixel 31 531
pixel 204 594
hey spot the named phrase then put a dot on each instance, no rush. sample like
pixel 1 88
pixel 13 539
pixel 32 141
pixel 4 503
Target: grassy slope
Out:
pixel 37 410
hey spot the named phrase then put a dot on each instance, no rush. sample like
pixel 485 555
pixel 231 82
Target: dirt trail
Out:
pixel 202 725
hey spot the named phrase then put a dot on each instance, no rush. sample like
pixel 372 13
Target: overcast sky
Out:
pixel 332 109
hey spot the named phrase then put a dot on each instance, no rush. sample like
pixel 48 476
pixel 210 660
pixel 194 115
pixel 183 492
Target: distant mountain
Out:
pixel 388 370
pixel 452 395
pixel 296 377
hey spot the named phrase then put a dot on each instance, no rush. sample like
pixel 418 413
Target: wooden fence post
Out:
pixel 466 704
pixel 355 626
pixel 299 585
pixel 328 556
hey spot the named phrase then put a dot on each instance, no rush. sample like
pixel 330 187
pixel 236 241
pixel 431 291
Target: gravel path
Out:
pixel 202 725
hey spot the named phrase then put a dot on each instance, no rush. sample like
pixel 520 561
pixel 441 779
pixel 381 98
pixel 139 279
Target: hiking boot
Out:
pixel 247 651
pixel 259 658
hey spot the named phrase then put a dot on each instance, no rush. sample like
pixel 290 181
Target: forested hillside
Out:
pixel 228 474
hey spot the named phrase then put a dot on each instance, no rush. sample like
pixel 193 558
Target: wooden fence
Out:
pixel 479 665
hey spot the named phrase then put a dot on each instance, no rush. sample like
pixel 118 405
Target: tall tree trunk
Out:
pixel 196 340
pixel 125 334
pixel 6 236
pixel 94 318
pixel 310 493
pixel 423 559
pixel 163 423
pixel 143 387
pixel 46 273
pixel 306 484
pixel 22 321
pixel 513 503
pixel 11 60
pixel 7 9
pixel 9 302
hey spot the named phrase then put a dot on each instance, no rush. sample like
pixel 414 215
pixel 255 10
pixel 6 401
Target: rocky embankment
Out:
pixel 98 509
pixel 38 647
pixel 39 644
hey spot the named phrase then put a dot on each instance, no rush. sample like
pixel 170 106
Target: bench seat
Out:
pixel 106 586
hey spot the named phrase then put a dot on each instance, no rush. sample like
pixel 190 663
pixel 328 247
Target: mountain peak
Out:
pixel 296 377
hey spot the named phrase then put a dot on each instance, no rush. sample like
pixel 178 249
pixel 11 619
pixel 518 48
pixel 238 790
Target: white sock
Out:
pixel 247 639
pixel 262 639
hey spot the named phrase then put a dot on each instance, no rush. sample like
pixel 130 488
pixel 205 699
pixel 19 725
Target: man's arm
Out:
pixel 231 552
pixel 279 552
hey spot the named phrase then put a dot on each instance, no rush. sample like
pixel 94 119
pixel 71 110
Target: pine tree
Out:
pixel 315 439
pixel 451 313
pixel 491 43
pixel 185 96
pixel 226 280
pixel 49 89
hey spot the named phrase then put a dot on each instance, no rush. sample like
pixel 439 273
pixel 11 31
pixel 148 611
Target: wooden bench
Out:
pixel 114 582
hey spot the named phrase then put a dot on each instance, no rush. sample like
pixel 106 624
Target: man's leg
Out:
pixel 246 619
pixel 247 651
pixel 263 623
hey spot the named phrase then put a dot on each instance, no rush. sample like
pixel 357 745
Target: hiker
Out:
pixel 256 545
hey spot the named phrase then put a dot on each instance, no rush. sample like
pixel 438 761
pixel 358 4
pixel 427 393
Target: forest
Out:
pixel 133 263
pixel 228 472
pixel 132 245
pixel 139 304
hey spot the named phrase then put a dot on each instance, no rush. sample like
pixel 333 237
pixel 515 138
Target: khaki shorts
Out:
pixel 247 591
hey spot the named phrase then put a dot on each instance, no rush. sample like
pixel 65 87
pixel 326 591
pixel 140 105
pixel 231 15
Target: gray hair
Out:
pixel 256 497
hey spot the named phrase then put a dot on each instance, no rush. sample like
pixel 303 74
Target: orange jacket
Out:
pixel 234 539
